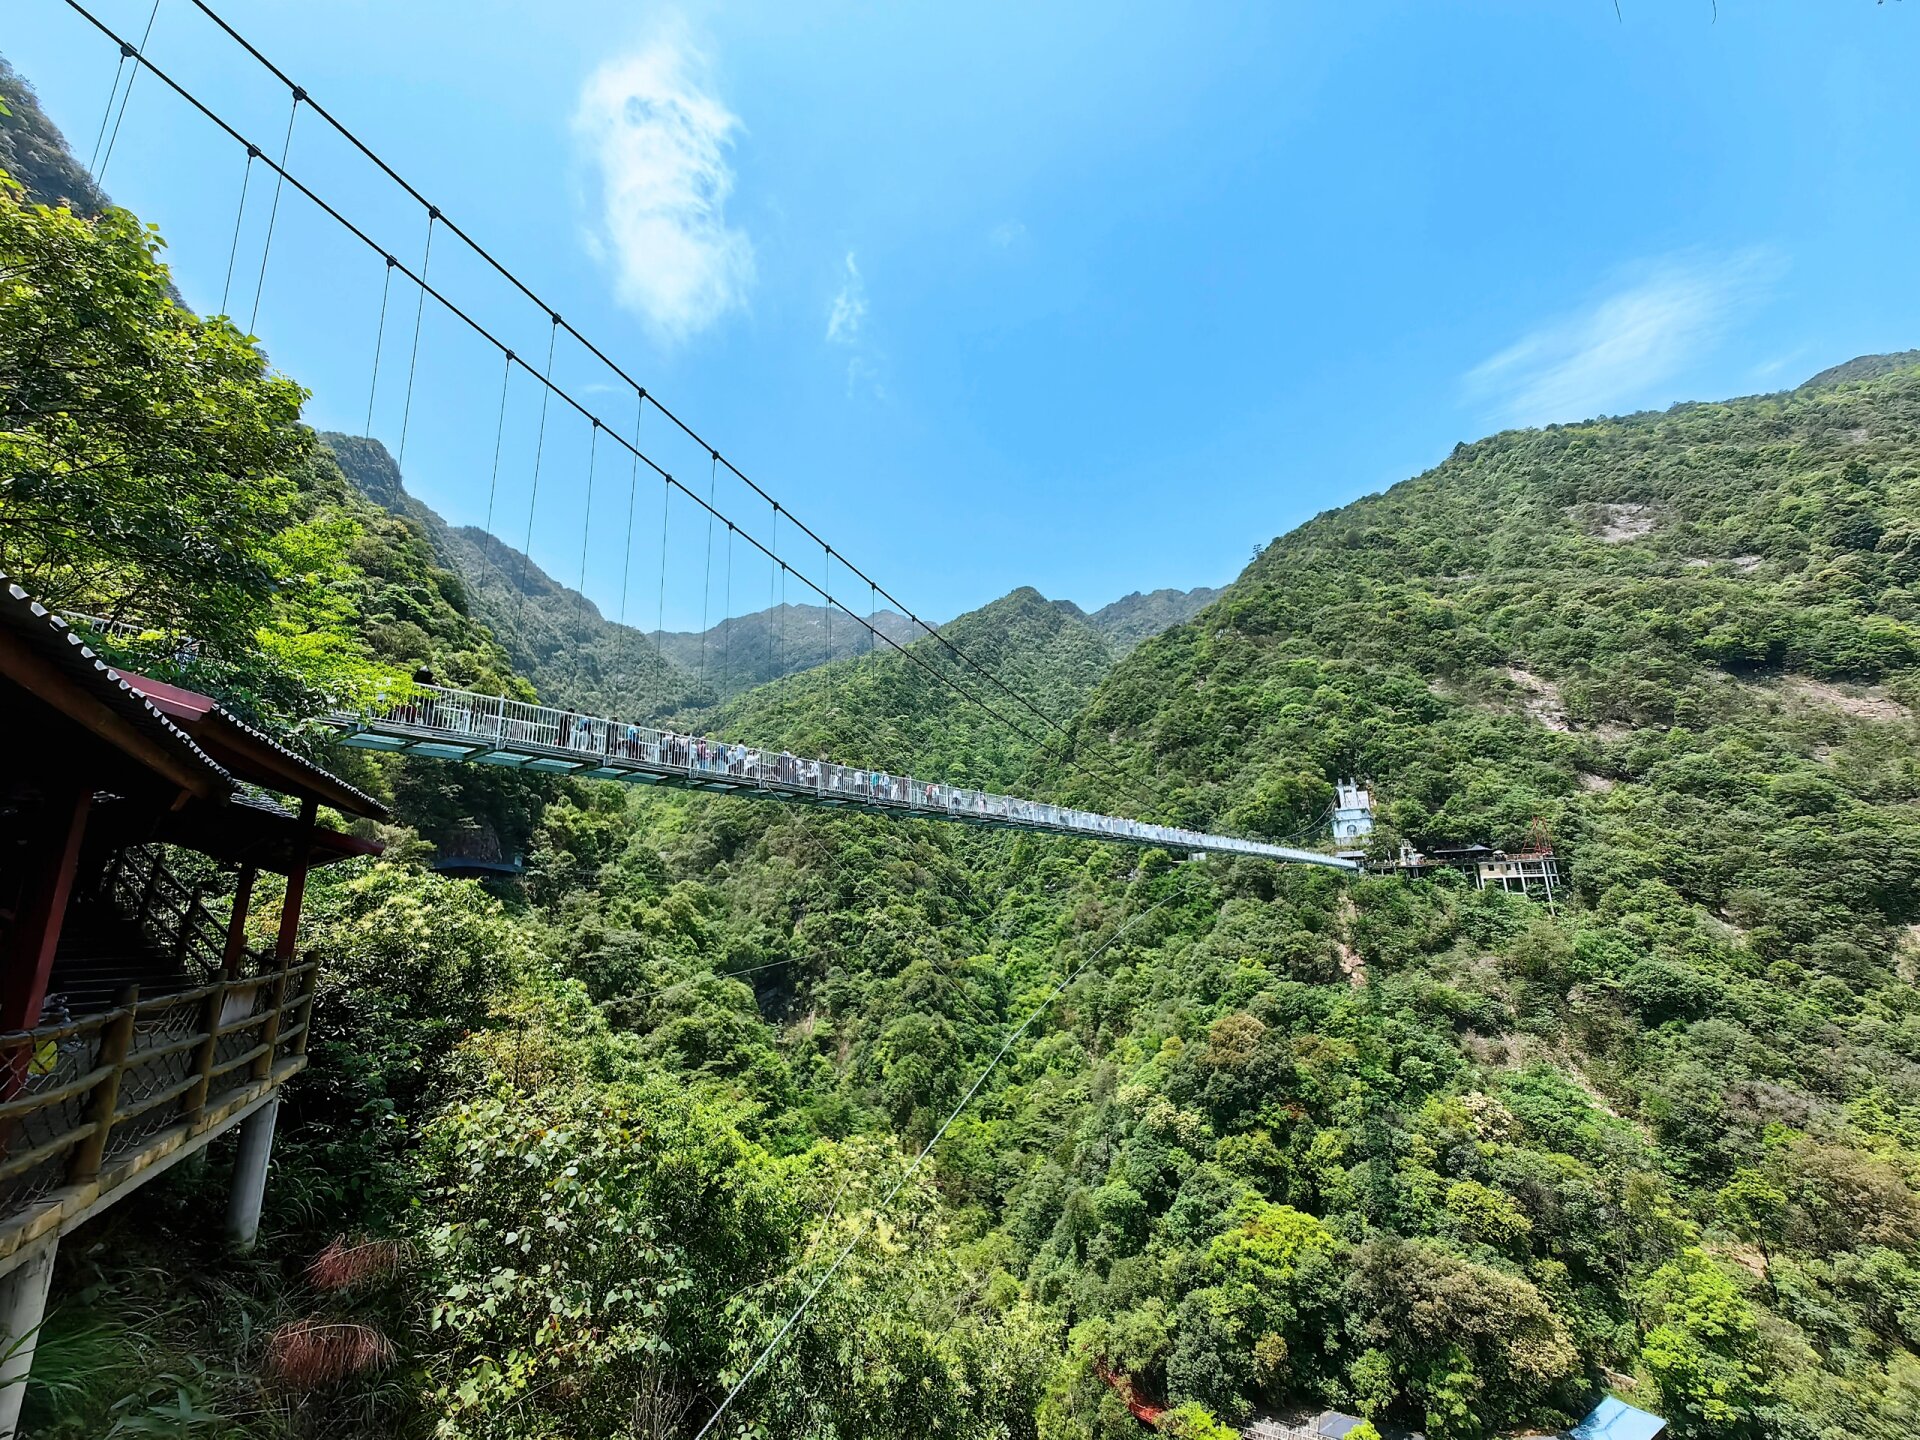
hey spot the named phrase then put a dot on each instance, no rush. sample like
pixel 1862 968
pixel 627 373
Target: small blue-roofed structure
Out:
pixel 1614 1419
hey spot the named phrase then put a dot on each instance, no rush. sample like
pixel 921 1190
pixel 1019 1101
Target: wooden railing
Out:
pixel 80 1097
pixel 172 912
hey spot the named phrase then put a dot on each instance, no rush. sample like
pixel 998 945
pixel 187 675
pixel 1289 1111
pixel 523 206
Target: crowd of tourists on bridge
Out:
pixel 724 762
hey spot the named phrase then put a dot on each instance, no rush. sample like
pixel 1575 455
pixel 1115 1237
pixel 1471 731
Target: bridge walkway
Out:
pixel 459 725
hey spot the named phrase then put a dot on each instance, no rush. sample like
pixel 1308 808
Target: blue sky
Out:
pixel 1087 297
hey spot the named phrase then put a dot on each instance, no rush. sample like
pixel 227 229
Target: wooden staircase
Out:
pixel 101 952
pixel 140 926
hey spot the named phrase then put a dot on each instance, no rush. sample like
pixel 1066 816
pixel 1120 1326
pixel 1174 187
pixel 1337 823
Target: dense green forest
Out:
pixel 570 1152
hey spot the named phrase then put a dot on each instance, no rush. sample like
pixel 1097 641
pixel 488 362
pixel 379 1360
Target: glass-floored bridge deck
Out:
pixel 489 730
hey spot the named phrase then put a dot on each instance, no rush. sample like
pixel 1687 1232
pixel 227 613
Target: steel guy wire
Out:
pixel 113 93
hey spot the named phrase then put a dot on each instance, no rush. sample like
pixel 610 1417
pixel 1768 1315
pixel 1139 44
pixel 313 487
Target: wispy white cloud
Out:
pixel 864 375
pixel 1618 352
pixel 1007 234
pixel 659 138
pixel 846 327
pixel 849 308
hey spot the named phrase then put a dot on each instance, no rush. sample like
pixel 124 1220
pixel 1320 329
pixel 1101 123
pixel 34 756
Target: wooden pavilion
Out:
pixel 136 1025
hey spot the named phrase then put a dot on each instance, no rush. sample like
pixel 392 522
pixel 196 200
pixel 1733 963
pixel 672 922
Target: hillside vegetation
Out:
pixel 571 1154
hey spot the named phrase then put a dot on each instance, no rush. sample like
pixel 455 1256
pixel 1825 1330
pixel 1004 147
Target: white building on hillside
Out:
pixel 1352 814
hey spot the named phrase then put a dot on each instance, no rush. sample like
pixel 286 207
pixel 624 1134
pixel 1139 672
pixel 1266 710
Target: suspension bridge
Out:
pixel 458 726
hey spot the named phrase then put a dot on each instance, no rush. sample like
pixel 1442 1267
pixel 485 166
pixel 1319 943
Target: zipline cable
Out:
pixel 233 249
pixel 860 1234
pixel 273 212
pixel 100 175
pixel 413 356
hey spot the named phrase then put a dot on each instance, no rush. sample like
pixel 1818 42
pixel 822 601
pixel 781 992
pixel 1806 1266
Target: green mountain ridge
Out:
pixel 35 153
pixel 914 715
pixel 555 636
pixel 576 656
pixel 1143 614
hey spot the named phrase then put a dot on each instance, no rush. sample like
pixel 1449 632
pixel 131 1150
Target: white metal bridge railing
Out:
pixel 490 729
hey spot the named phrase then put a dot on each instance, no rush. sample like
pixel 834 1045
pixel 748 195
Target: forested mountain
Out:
pixel 1438 1155
pixel 912 714
pixel 577 656
pixel 35 153
pixel 749 650
pixel 557 638
pixel 1231 1137
pixel 1133 618
pixel 1864 367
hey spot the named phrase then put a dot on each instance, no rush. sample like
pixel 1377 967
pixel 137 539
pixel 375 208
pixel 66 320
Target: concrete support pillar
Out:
pixel 250 1174
pixel 23 1305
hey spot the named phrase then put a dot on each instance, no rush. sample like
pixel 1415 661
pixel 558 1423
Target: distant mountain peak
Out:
pixel 1144 614
pixel 1864 367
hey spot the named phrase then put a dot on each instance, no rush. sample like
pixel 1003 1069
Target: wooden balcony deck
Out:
pixel 95 1107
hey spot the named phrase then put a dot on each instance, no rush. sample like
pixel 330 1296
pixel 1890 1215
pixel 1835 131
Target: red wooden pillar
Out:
pixel 296 884
pixel 29 945
pixel 236 947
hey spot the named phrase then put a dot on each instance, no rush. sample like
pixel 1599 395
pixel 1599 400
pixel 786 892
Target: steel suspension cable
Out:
pixel 113 94
pixel 586 523
pixel 413 356
pixel 550 389
pixel 773 662
pixel 273 212
pixel 633 490
pixel 300 96
pixel 726 618
pixel 766 1351
pixel 100 175
pixel 379 344
pixel 835 683
pixel 706 585
pixel 514 280
pixel 539 453
pixel 233 249
pixel 666 515
pixel 499 434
